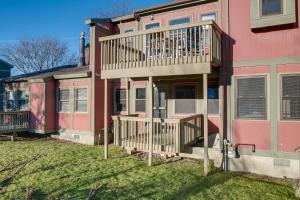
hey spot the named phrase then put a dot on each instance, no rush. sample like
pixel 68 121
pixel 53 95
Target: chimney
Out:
pixel 82 50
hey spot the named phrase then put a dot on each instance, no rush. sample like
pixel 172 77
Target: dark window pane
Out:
pixel 129 30
pixel 140 93
pixel 120 98
pixel 271 7
pixel 185 100
pixel 251 98
pixel 291 97
pixel 150 26
pixel 140 105
pixel 183 20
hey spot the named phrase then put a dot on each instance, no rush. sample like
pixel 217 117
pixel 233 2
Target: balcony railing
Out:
pixel 141 53
pixel 170 136
pixel 11 122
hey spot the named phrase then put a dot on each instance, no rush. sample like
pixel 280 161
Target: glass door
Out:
pixel 160 102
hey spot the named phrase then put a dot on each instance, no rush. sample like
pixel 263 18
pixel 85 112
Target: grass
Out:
pixel 69 171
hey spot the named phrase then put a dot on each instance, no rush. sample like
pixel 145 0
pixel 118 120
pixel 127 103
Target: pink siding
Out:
pixel 50 113
pixel 259 44
pixel 37 105
pixel 288 136
pixel 251 70
pixel 287 68
pixel 73 120
pixel 193 12
pixel 213 124
pixel 252 132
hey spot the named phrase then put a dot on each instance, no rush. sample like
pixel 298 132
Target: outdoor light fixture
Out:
pixel 152 17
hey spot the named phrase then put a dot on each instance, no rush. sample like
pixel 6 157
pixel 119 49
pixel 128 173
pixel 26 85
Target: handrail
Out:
pixel 157 30
pixel 190 117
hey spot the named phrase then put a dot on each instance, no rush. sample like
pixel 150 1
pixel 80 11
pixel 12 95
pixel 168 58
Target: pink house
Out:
pixel 189 78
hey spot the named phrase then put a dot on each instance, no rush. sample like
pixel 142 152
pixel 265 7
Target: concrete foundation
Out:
pixel 77 137
pixel 269 166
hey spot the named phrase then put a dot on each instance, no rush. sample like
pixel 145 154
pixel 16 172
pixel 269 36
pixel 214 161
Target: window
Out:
pixel 290 97
pixel 208 16
pixel 120 100
pixel 251 98
pixel 151 26
pixel 128 30
pixel 268 13
pixel 10 100
pixel 185 99
pixel 213 101
pixel 271 7
pixel 64 100
pixel 22 100
pixel 140 100
pixel 183 20
pixel 81 99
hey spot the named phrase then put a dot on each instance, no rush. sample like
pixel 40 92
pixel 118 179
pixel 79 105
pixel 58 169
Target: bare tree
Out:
pixel 119 8
pixel 36 54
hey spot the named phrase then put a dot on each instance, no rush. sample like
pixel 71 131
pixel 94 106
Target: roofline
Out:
pixel 171 5
pixel 6 63
pixel 92 21
pixel 123 18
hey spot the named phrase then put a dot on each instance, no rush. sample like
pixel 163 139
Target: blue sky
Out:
pixel 63 19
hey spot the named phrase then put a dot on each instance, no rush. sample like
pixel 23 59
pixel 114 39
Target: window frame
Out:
pixel 281 75
pixel 76 100
pixel 115 100
pixel 208 13
pixel 270 15
pixel 267 94
pixel 135 99
pixel 153 22
pixel 58 100
pixel 196 96
pixel 19 99
pixel 190 17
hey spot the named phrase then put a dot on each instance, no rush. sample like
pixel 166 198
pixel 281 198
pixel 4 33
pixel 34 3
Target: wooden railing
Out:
pixel 11 122
pixel 176 45
pixel 170 136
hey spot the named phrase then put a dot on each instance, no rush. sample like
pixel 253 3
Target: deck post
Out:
pixel 127 97
pixel 206 160
pixel 105 121
pixel 150 111
pixel 221 111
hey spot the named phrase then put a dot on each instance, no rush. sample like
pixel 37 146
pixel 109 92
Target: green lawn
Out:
pixel 69 171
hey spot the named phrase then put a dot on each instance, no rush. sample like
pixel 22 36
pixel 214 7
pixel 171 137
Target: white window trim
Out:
pixel 58 100
pixel 207 13
pixel 279 97
pixel 180 17
pixel 234 95
pixel 115 99
pixel 153 22
pixel 87 99
pixel 134 98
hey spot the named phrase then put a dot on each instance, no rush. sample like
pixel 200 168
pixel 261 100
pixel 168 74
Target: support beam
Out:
pixel 206 160
pixel 150 111
pixel 105 121
pixel 127 96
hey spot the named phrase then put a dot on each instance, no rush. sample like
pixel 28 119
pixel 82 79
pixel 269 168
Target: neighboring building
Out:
pixel 59 101
pixel 5 70
pixel 183 70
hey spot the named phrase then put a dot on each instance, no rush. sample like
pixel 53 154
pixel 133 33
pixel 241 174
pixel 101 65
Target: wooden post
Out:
pixel 150 110
pixel 221 111
pixel 206 160
pixel 105 121
pixel 127 97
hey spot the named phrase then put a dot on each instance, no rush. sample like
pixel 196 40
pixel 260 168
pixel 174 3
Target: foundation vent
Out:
pixel 281 163
pixel 76 137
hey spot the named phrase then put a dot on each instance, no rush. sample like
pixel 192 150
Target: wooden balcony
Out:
pixel 177 50
pixel 170 136
pixel 11 122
